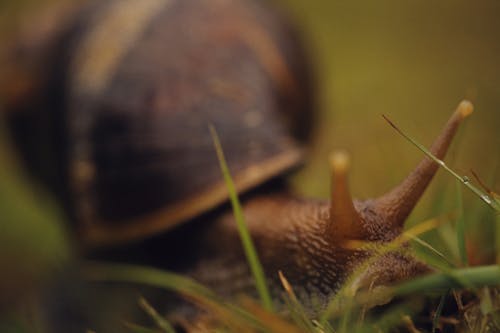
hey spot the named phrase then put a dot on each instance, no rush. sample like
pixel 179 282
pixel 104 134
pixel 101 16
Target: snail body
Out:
pixel 129 93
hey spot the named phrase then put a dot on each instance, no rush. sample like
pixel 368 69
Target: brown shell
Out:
pixel 137 85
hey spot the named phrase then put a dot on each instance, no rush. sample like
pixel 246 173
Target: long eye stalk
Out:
pixel 397 204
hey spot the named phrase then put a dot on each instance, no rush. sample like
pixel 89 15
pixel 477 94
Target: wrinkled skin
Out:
pixel 296 243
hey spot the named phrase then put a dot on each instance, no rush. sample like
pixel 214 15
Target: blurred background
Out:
pixel 413 61
pixel 410 60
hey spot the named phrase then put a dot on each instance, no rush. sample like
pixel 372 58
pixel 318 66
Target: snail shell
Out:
pixel 131 90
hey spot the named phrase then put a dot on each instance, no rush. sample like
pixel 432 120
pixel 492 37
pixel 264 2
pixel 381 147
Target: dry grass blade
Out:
pixel 287 286
pixel 296 309
pixel 483 185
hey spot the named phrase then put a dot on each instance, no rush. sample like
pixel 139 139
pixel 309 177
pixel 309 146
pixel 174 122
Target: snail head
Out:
pixel 381 220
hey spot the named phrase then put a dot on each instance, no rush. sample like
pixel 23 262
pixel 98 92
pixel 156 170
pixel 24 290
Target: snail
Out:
pixel 124 106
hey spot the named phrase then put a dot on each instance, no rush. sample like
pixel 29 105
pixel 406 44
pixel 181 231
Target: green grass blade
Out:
pixel 192 290
pixel 486 303
pixel 433 250
pixel 249 248
pixel 161 322
pixel 447 240
pixel 463 180
pixel 470 277
pixel 460 227
pixel 346 317
pixel 466 277
pixel 147 276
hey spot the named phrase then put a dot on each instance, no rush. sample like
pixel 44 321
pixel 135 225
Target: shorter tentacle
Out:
pixel 344 222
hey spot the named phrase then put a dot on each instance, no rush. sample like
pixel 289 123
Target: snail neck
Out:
pixel 290 235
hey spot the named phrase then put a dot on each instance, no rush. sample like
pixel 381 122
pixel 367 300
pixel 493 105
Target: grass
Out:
pixel 252 315
pixel 471 277
pixel 248 247
pixel 491 201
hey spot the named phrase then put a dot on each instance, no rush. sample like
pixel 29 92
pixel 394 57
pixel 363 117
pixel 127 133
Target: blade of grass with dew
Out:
pixel 464 180
pixel 439 310
pixel 161 322
pixel 460 227
pixel 248 246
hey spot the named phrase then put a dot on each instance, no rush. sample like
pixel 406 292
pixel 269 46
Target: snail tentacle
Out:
pixel 397 204
pixel 344 222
